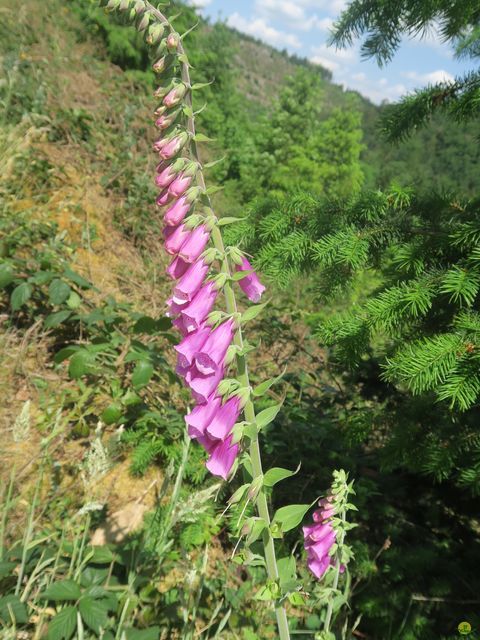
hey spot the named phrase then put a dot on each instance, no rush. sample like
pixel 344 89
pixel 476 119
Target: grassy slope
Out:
pixel 69 133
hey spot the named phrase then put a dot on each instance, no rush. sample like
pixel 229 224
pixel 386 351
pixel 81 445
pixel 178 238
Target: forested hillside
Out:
pixel 111 525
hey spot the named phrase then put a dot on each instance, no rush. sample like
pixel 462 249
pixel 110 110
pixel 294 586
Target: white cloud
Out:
pixel 334 59
pixel 258 28
pixel 331 65
pixel 280 8
pixel 429 78
pixel 332 7
pixel 376 90
pixel 293 13
pixel 199 4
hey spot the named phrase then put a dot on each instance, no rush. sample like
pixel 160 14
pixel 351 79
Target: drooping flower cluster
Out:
pixel 320 538
pixel 202 352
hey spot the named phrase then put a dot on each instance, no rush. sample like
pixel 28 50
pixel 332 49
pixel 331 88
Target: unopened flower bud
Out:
pixel 236 255
pixel 143 21
pixel 255 487
pixel 192 194
pixel 124 5
pixel 220 280
pixel 227 385
pixel 155 32
pixel 112 5
pixel 173 40
pixel 159 111
pixel 243 395
pixel 139 7
pixel 209 256
pixel 161 91
pixel 176 95
pixel 191 168
pixel 173 146
pixel 166 120
pixel 193 221
pixel 161 64
pixel 231 354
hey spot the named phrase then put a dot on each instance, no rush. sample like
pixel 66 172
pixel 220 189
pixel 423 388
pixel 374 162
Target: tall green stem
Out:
pixel 242 369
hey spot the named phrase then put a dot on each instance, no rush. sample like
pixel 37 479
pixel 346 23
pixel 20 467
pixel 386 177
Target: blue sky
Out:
pixel 302 27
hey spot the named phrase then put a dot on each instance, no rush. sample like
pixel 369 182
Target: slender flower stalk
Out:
pixel 222 454
pixel 211 341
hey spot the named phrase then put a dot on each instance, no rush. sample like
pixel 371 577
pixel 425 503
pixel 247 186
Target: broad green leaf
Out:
pixel 266 416
pixel 276 474
pixel 63 624
pixel 74 300
pixel 12 606
pixel 62 591
pixel 94 613
pixel 252 312
pixel 101 555
pixel 6 567
pixel 55 319
pixel 287 570
pixel 297 599
pixel 290 517
pixel 6 275
pixel 77 279
pixel 20 295
pixel 58 291
pixel 81 363
pixel 147 324
pixel 65 353
pixel 42 277
pixel 145 634
pixel 112 413
pixel 142 374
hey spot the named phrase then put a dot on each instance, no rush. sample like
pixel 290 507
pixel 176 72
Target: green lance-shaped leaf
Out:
pixel 277 474
pixel 252 312
pixel 290 517
pixel 228 220
pixel 266 416
pixel 263 387
pixel 238 494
